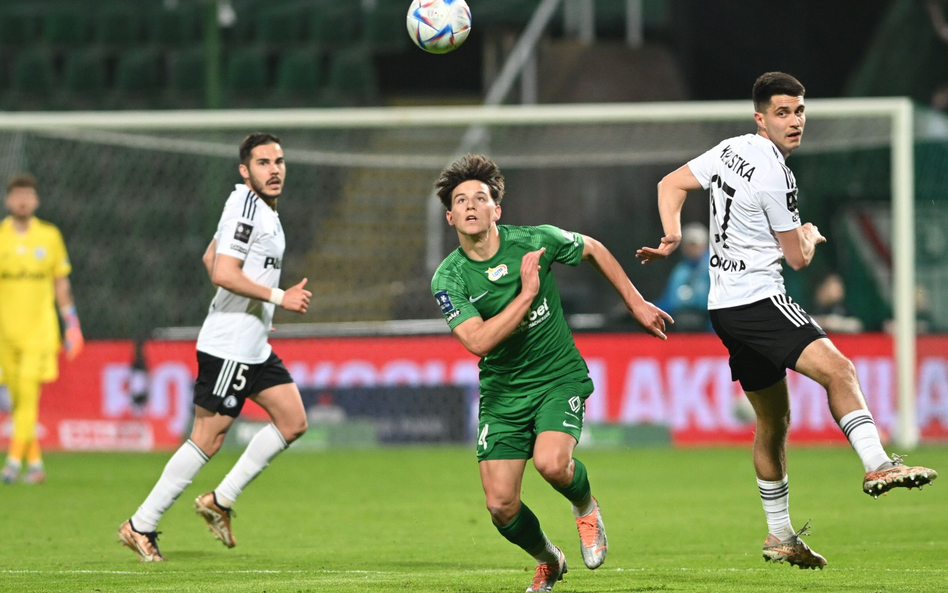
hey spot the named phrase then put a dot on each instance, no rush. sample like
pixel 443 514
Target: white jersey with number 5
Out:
pixel 237 327
pixel 753 195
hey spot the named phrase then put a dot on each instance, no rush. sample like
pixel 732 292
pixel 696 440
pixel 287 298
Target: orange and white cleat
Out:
pixel 217 517
pixel 145 544
pixel 592 538
pixel 793 551
pixel 895 474
pixel 547 575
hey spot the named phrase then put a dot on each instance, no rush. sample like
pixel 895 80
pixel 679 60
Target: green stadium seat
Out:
pixel 119 27
pixel 139 70
pixel 283 25
pixel 66 28
pixel 173 28
pixel 186 78
pixel 84 70
pixel 352 77
pixel 18 28
pixel 245 69
pixel 33 72
pixel 333 26
pixel 299 77
pixel 384 30
pixel 84 80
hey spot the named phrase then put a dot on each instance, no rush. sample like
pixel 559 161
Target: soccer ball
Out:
pixel 439 26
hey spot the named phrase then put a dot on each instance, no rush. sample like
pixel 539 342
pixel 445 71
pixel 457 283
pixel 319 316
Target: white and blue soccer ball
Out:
pixel 439 26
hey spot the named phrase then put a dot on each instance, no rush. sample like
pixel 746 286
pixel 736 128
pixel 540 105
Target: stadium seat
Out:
pixel 18 28
pixel 283 25
pixel 299 76
pixel 118 27
pixel 84 80
pixel 245 74
pixel 332 26
pixel 33 72
pixel 352 77
pixel 173 28
pixel 138 78
pixel 66 28
pixel 186 78
pixel 245 69
pixel 384 30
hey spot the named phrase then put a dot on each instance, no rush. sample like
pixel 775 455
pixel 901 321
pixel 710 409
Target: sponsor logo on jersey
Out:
pixel 495 274
pixel 535 317
pixel 230 401
pixel 451 317
pixel 727 265
pixel 40 252
pixel 272 262
pixel 571 237
pixel 736 163
pixel 444 301
pixel 474 299
pixel 243 231
pixel 239 248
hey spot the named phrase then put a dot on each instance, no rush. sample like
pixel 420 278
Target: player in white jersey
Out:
pixel 235 361
pixel 755 223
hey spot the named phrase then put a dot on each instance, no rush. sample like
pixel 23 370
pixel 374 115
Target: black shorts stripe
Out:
pixel 790 310
pixel 225 377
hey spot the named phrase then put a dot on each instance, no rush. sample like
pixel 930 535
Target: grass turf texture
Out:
pixel 412 519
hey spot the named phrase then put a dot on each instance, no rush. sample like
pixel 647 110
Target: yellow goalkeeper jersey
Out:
pixel 29 264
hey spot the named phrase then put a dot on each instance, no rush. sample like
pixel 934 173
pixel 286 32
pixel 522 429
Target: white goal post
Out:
pixel 134 129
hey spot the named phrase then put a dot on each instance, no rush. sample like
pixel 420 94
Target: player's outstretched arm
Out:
pixel 479 336
pixel 649 317
pixel 228 273
pixel 672 191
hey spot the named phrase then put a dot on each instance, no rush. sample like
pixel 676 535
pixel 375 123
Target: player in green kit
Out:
pixel 500 299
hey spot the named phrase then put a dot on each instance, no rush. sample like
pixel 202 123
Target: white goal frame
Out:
pixel 898 110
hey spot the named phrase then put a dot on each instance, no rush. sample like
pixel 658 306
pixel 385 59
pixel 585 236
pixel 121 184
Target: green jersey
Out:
pixel 540 353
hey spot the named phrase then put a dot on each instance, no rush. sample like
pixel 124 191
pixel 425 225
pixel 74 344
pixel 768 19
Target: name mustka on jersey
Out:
pixel 736 163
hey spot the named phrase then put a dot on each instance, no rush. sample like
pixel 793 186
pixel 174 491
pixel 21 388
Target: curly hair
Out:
pixel 475 167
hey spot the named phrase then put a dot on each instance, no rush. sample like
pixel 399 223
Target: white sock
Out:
pixel 179 471
pixel 776 499
pixel 262 448
pixel 548 555
pixel 585 509
pixel 860 429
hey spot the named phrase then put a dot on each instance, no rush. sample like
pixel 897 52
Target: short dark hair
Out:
pixel 254 140
pixel 21 180
pixel 774 83
pixel 470 167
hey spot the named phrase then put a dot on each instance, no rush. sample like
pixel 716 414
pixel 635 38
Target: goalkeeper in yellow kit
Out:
pixel 34 280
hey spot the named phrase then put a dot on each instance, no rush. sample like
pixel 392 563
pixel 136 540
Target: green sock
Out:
pixel 524 531
pixel 578 492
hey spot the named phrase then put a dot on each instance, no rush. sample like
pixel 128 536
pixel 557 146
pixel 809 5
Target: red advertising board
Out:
pixel 683 384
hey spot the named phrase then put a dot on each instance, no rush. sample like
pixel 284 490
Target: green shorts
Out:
pixel 508 425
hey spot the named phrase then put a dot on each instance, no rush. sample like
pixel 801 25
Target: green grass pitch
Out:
pixel 412 519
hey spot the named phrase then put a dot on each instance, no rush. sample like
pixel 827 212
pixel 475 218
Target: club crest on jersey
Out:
pixel 571 237
pixel 40 252
pixel 243 231
pixel 495 274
